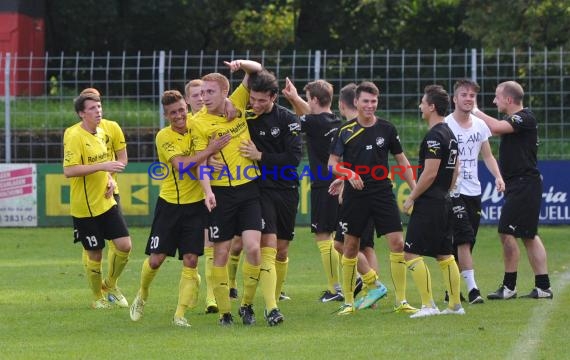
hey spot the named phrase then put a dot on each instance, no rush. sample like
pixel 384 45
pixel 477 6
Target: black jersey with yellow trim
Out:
pixel 277 135
pixel 368 148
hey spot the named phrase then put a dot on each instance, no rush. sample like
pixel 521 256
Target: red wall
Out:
pixel 23 37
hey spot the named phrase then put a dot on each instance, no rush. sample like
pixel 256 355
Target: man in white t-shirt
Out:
pixel 472 136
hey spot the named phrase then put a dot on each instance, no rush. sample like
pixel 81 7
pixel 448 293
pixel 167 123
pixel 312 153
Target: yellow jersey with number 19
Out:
pixel 87 193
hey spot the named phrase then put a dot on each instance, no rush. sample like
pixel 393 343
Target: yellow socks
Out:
pixel 268 277
pixel 84 259
pixel 398 271
pixel 117 260
pixel 147 275
pixel 370 279
pixel 422 278
pixel 221 288
pixel 329 258
pixel 93 270
pixel 232 270
pixel 348 278
pixel 250 280
pixel 451 277
pixel 281 271
pixel 187 290
pixel 208 263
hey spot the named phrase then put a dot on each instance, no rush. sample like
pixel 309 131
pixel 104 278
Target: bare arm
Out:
pixel 424 182
pixel 210 198
pixel 84 170
pixel 408 173
pixel 300 106
pixel 121 156
pixel 496 126
pixel 215 145
pixel 492 165
pixel 249 66
pixel 455 175
pixel 345 173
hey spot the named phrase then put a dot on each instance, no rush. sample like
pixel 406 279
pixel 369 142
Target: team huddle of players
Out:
pixel 222 216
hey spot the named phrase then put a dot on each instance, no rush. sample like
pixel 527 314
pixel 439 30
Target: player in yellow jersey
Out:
pixel 193 97
pixel 95 213
pixel 180 215
pixel 234 191
pixel 116 150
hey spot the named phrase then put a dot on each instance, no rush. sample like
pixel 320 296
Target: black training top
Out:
pixel 276 135
pixel 439 143
pixel 367 148
pixel 517 151
pixel 319 129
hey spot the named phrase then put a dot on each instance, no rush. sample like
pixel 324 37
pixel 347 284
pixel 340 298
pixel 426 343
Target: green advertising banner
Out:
pixel 139 193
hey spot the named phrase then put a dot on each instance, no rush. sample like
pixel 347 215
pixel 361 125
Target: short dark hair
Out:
pixel 79 102
pixel 437 96
pixel 263 81
pixel 367 87
pixel 170 97
pixel 468 83
pixel 347 95
pixel 321 90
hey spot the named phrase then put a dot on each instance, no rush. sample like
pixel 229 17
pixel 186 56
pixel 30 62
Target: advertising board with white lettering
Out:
pixel 18 204
pixel 555 207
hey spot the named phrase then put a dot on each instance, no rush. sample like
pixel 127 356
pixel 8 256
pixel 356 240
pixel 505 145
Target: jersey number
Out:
pixel 92 241
pixel 214 232
pixel 154 240
pixel 343 226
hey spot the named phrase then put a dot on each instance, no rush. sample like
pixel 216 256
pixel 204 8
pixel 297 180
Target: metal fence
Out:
pixel 38 90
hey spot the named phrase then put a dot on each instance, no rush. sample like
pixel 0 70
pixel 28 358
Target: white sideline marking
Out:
pixel 531 338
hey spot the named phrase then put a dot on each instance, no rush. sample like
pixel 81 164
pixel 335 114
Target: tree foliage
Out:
pixel 518 23
pixel 269 27
pixel 126 25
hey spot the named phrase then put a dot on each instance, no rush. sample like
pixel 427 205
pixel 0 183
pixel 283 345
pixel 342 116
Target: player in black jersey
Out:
pixel 429 231
pixel 359 153
pixel 276 146
pixel 523 190
pixel 367 255
pixel 319 124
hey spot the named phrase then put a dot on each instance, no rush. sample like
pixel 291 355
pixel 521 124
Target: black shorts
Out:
pixel 366 239
pixel 378 204
pixel 177 227
pixel 520 212
pixel 93 231
pixel 238 208
pixel 279 210
pixel 466 217
pixel 324 210
pixel 430 230
pixel 118 201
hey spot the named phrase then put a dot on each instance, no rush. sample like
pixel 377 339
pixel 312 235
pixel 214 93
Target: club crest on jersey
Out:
pixel 275 131
pixel 380 141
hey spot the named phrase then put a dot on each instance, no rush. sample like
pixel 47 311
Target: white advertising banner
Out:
pixel 18 195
